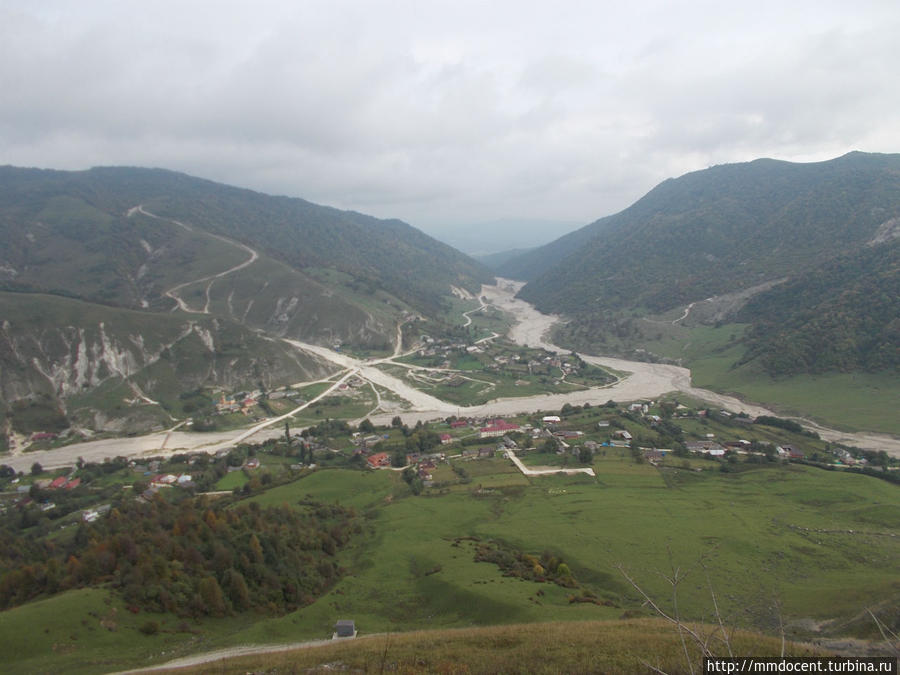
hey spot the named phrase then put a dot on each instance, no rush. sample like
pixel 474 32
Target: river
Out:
pixel 645 381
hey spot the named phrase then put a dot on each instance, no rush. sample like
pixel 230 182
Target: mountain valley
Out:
pixel 222 435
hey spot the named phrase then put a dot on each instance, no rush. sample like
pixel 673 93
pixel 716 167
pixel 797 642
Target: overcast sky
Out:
pixel 445 113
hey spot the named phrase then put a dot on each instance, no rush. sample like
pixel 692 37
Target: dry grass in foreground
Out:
pixel 630 646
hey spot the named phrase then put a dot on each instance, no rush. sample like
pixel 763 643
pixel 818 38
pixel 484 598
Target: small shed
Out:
pixel 344 629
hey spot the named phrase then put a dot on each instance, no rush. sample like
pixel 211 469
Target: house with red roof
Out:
pixel 378 459
pixel 57 483
pixel 497 428
pixel 446 438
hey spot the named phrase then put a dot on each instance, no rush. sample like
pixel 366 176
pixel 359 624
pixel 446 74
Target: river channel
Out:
pixel 643 381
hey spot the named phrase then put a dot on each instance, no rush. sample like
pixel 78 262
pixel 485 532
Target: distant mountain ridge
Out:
pixel 197 264
pixel 496 236
pixel 721 230
pixel 496 261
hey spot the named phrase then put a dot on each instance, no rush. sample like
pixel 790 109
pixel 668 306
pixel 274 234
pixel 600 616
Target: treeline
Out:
pixel 188 558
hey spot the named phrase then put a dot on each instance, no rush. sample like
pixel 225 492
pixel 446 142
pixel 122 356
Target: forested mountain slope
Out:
pixel 824 233
pixel 719 230
pixel 534 262
pixel 88 209
pixel 842 316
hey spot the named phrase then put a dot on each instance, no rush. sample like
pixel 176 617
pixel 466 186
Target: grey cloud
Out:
pixel 445 112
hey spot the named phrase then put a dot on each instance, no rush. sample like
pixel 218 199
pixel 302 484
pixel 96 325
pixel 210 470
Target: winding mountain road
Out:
pixel 173 292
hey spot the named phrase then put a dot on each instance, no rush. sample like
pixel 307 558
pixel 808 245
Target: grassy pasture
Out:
pixel 231 480
pixel 857 401
pixel 757 531
pixel 607 647
pixel 822 543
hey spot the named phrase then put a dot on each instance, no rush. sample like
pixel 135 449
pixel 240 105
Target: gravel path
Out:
pixel 230 653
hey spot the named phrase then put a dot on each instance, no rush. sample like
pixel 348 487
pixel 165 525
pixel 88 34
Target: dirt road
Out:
pixel 173 292
pixel 230 653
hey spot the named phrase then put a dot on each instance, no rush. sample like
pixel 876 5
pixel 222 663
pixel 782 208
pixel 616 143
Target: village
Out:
pixel 475 371
pixel 482 461
pixel 649 431
pixel 574 438
pixel 657 432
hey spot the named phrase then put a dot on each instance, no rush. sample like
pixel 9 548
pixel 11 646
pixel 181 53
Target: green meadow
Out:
pixel 851 401
pixel 821 545
pixel 790 535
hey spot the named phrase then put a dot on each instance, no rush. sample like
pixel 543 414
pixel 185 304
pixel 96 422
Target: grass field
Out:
pixel 91 631
pixel 765 533
pixel 859 401
pixel 578 647
pixel 232 480
pixel 824 544
pixel 476 386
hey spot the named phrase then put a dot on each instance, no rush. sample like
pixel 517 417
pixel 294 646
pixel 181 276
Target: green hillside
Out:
pixel 842 316
pixel 720 230
pixel 533 263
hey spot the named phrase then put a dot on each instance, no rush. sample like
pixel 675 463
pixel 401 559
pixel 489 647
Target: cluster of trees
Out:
pixel 545 567
pixel 411 478
pixel 421 438
pixel 780 423
pixel 610 332
pixel 187 558
pixel 39 413
pixel 327 429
